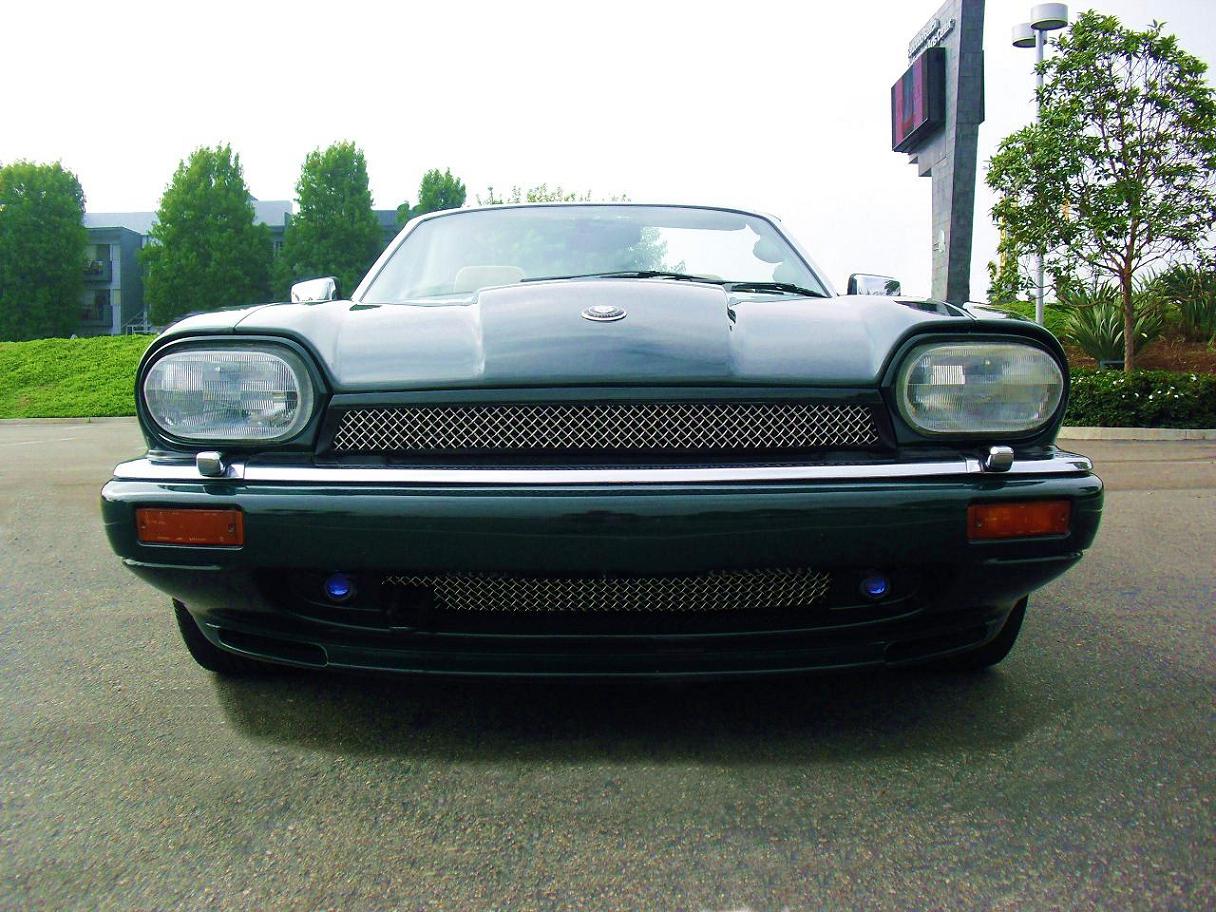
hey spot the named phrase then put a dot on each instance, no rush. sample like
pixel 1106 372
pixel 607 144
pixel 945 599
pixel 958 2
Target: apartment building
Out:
pixel 113 300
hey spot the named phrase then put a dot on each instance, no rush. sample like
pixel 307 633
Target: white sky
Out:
pixel 775 106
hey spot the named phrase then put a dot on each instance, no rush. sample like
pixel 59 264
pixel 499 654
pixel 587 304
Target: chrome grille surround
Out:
pixel 606 427
pixel 719 590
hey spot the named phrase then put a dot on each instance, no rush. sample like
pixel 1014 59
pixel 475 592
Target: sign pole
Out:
pixel 1040 39
pixel 947 150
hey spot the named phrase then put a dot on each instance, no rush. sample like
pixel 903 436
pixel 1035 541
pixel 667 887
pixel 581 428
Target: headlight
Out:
pixel 259 394
pixel 961 388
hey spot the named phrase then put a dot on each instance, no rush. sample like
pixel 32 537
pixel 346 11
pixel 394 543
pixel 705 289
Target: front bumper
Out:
pixel 905 519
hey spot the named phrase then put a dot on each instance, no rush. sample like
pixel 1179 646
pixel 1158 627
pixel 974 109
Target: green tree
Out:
pixel 206 251
pixel 1117 175
pixel 42 243
pixel 335 231
pixel 1006 282
pixel 438 190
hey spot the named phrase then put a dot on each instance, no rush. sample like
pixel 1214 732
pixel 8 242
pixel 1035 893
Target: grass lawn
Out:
pixel 69 378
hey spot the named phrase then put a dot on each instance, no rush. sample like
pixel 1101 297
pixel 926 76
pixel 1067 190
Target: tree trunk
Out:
pixel 1129 322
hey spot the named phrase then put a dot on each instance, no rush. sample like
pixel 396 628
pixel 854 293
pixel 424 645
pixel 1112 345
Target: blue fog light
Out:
pixel 875 586
pixel 339 587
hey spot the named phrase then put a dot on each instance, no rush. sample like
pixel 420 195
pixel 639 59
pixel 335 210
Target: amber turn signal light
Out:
pixel 190 527
pixel 1018 520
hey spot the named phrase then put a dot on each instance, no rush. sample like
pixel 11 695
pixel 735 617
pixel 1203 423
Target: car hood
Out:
pixel 534 334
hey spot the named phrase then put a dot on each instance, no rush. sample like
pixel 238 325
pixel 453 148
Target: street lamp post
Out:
pixel 1044 18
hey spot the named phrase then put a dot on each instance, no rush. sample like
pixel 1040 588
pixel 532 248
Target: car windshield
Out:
pixel 461 253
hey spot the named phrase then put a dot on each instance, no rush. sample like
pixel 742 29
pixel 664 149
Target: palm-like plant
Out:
pixel 1192 290
pixel 1094 320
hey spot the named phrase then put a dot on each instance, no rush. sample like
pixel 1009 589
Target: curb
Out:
pixel 101 419
pixel 1133 433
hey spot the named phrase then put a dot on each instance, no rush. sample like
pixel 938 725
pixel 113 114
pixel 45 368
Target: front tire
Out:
pixel 991 652
pixel 207 654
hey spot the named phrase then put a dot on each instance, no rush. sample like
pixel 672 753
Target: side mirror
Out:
pixel 863 283
pixel 315 290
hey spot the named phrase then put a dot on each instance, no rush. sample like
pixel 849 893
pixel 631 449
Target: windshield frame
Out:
pixel 359 295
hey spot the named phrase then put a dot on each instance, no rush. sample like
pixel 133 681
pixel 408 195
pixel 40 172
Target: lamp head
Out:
pixel 1047 17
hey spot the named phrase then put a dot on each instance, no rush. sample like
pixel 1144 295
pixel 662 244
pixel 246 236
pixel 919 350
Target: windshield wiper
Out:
pixel 782 287
pixel 626 274
pixel 759 285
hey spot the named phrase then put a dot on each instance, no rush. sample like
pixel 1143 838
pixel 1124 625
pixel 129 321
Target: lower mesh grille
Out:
pixel 606 427
pixel 724 590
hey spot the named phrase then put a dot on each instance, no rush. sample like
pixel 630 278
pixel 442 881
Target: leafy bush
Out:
pixel 1094 320
pixel 1054 315
pixel 1107 398
pixel 70 378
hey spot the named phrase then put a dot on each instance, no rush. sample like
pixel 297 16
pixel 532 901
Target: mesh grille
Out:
pixel 607 427
pixel 724 590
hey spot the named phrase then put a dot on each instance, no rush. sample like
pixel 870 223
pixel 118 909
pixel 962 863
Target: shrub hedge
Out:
pixel 1110 398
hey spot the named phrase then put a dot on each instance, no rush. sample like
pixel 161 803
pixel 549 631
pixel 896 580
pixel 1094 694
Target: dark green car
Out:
pixel 601 440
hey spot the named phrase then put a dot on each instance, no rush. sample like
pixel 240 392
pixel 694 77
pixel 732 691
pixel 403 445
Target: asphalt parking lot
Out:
pixel 1080 774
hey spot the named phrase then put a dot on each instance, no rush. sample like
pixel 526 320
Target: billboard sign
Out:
pixel 918 101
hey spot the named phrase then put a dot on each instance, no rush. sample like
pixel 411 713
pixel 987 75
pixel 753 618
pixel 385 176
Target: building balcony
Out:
pixel 98 316
pixel 98 271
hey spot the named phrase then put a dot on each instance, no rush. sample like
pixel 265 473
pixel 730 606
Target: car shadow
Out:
pixel 822 718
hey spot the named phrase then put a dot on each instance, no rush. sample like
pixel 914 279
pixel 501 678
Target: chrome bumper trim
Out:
pixel 146 470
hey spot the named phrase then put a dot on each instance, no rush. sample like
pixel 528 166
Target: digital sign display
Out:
pixel 918 101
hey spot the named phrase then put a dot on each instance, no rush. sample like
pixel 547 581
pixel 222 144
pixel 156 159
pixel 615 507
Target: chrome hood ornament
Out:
pixel 604 313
